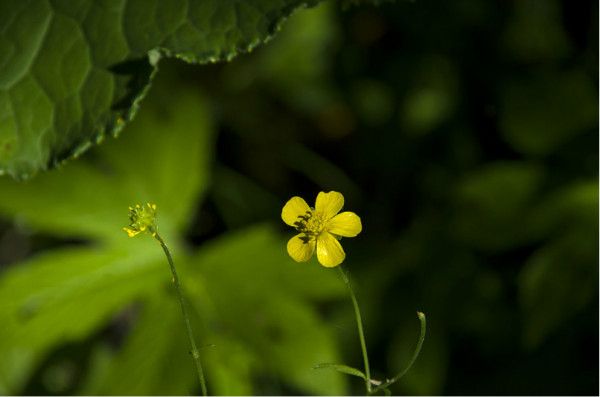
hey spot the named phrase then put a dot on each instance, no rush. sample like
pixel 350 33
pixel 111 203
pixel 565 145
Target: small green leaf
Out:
pixel 345 369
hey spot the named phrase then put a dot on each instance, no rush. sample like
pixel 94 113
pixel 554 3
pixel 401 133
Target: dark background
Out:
pixel 455 125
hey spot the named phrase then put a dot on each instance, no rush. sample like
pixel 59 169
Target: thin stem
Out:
pixel 186 318
pixel 361 334
pixel 423 321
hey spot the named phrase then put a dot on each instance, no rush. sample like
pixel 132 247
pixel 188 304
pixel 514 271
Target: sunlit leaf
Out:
pixel 155 356
pixel 68 294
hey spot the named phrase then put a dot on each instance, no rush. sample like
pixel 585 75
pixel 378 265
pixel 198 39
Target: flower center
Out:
pixel 310 224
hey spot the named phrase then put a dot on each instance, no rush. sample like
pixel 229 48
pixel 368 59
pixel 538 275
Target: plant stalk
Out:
pixel 361 334
pixel 186 318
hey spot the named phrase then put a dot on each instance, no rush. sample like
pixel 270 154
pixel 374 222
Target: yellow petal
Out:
pixel 346 224
pixel 300 249
pixel 329 204
pixel 131 232
pixel 329 251
pixel 295 207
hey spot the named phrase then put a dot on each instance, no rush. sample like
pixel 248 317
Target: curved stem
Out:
pixel 186 318
pixel 390 382
pixel 361 334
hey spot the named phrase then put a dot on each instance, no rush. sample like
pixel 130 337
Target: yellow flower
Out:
pixel 320 228
pixel 141 219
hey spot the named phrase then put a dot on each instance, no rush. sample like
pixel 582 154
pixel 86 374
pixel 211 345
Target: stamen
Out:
pixel 309 225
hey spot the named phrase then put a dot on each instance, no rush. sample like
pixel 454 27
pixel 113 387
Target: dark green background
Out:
pixel 465 135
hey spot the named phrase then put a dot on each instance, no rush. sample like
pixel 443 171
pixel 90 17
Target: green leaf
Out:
pixel 262 298
pixel 230 366
pixel 492 201
pixel 164 158
pixel 72 73
pixel 259 250
pixel 343 369
pixel 155 356
pixel 166 368
pixel 539 116
pixel 558 281
pixel 574 204
pixel 536 32
pixel 67 294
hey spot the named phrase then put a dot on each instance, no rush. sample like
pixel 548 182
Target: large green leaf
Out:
pixel 73 72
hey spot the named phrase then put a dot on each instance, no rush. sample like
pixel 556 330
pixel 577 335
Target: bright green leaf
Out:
pixel 259 250
pixel 67 294
pixel 260 296
pixel 155 356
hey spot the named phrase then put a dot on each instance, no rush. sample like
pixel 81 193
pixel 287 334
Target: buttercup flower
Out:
pixel 320 228
pixel 141 219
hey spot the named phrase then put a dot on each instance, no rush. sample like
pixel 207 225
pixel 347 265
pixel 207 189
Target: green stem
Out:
pixel 186 318
pixel 361 333
pixel 423 321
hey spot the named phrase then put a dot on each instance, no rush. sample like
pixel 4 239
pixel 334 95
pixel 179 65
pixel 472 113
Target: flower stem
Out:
pixel 423 321
pixel 361 334
pixel 186 318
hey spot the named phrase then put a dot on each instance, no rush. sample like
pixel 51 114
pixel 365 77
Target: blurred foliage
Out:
pixel 464 134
